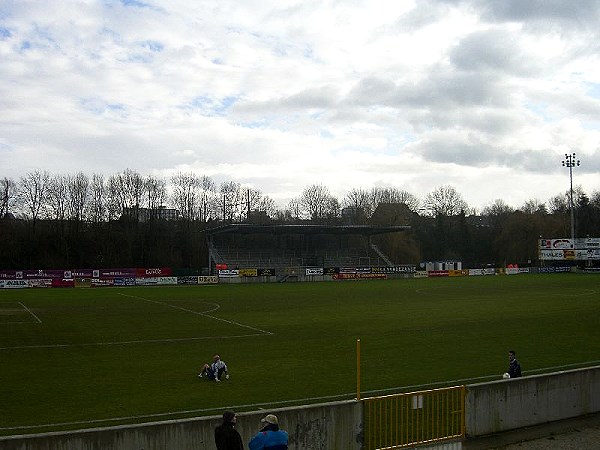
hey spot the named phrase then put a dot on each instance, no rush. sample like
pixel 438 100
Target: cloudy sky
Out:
pixel 486 96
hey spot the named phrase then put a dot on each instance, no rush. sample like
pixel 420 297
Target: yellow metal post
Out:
pixel 358 369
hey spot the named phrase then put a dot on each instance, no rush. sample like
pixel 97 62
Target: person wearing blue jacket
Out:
pixel 270 437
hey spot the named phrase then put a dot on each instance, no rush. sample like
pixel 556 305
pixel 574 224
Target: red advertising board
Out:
pixel 10 275
pixel 59 283
pixel 153 272
pixel 47 273
pixel 114 273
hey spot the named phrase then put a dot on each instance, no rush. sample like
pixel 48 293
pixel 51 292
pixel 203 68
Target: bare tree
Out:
pixel 184 194
pixel 267 205
pixel 497 208
pixel 534 206
pixel 445 201
pixel 293 211
pixel 317 203
pixel 358 201
pixel 559 204
pixel 96 208
pixel 32 192
pixel 78 188
pixel 193 195
pixel 57 197
pixel 155 194
pixel 207 194
pixel 125 192
pixel 231 201
pixel 392 195
pixel 8 193
pixel 256 201
pixel 595 199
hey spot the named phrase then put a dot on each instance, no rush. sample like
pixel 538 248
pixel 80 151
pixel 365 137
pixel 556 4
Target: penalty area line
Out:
pixel 31 312
pixel 217 306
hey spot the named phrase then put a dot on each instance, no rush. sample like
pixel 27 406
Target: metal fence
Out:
pixel 403 420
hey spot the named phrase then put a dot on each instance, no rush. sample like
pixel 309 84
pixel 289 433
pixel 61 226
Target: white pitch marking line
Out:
pixel 147 341
pixel 154 341
pixel 30 312
pixel 200 313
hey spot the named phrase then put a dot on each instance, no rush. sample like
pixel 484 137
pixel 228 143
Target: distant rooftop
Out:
pixel 365 230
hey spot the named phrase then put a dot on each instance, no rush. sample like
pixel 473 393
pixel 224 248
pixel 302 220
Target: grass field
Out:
pixel 77 358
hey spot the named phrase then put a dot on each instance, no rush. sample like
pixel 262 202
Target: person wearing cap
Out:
pixel 215 370
pixel 270 437
pixel 226 436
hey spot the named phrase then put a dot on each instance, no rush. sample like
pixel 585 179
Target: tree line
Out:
pixel 81 220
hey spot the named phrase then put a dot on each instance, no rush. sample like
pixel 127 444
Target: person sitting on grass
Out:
pixel 215 370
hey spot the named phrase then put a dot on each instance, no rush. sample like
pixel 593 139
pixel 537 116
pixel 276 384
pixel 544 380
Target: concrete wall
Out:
pixel 330 426
pixel 508 404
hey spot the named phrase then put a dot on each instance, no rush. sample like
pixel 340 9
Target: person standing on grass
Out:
pixel 270 437
pixel 226 436
pixel 514 368
pixel 215 370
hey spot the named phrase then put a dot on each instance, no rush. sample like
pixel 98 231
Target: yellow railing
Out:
pixel 402 420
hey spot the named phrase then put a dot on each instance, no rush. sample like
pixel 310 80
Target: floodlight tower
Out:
pixel 570 161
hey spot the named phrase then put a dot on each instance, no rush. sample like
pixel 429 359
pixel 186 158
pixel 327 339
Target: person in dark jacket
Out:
pixel 226 436
pixel 270 437
pixel 514 368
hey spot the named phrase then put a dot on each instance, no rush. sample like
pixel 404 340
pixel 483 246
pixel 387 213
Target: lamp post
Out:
pixel 570 161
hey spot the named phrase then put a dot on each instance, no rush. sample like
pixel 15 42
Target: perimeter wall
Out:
pixel 505 405
pixel 489 408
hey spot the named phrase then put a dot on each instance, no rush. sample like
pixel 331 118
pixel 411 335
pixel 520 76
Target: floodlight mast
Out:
pixel 571 161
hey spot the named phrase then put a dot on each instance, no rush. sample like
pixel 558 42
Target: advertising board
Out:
pixel 123 281
pixel 191 279
pixel 153 272
pixel 62 283
pixel 266 272
pixel 86 273
pixel 151 281
pixel 211 279
pixel 10 275
pixel 248 272
pixel 314 271
pixel 117 273
pixel 40 283
pixel 45 273
pixel 567 255
pixel 562 249
pixel 359 276
pixel 482 272
pixel 229 273
pixel 556 244
pixel 102 282
pixel 83 282
pixel 394 269
pixel 13 284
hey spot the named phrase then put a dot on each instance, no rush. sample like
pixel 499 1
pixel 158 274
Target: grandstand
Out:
pixel 286 248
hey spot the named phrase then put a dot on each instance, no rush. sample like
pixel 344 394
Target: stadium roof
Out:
pixel 365 230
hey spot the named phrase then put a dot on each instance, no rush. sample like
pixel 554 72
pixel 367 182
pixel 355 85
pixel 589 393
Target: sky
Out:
pixel 485 96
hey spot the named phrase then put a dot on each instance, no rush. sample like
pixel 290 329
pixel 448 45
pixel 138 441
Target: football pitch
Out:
pixel 80 358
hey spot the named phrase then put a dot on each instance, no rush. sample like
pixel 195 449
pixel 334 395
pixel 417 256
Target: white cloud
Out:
pixel 486 96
